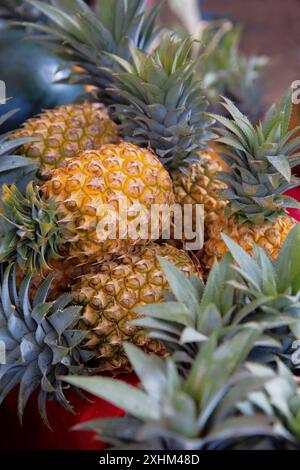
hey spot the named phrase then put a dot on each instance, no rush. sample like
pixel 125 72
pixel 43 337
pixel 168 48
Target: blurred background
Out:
pixel 270 27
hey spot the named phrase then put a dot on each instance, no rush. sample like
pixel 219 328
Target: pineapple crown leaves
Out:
pixel 260 162
pixel 31 231
pixel 272 288
pixel 14 168
pixel 81 37
pixel 41 342
pixel 241 291
pixel 279 398
pixel 169 412
pixel 191 314
pixel 164 103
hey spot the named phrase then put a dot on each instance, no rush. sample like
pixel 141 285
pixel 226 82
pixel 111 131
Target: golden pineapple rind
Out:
pixel 269 236
pixel 96 180
pixel 65 132
pixel 201 186
pixel 111 292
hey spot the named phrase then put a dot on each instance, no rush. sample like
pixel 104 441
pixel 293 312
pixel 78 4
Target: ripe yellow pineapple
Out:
pixel 112 291
pixel 65 132
pixel 158 93
pixel 46 340
pixel 172 120
pixel 260 161
pixel 201 186
pixel 63 216
pixel 159 101
pixel 269 235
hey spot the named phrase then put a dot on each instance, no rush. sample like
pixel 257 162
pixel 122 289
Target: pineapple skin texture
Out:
pixel 65 132
pixel 114 174
pixel 112 291
pixel 269 236
pixel 64 272
pixel 201 186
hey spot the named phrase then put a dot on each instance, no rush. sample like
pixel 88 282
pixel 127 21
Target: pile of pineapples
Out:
pixel 69 299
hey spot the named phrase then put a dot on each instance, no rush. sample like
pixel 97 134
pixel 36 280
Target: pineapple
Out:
pixel 62 217
pixel 208 395
pixel 64 133
pixel 68 130
pixel 46 339
pixel 201 186
pixel 237 294
pixel 151 106
pixel 41 340
pixel 260 161
pixel 112 291
pixel 165 109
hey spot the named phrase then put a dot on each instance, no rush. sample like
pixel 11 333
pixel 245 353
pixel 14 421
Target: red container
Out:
pixel 295 193
pixel 34 435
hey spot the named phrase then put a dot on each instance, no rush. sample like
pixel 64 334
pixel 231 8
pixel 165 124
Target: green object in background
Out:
pixel 83 37
pixel 29 70
pixel 226 71
pixel 18 10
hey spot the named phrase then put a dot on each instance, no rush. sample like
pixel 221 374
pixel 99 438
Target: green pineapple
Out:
pixel 227 72
pixel 83 38
pixel 42 342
